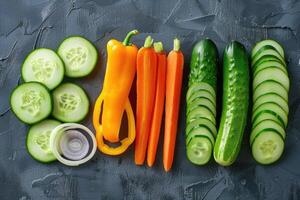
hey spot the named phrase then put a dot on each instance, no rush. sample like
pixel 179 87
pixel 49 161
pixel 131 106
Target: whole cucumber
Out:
pixel 234 104
pixel 203 64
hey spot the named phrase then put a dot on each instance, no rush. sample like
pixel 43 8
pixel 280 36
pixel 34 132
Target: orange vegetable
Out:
pixel 120 73
pixel 146 86
pixel 173 93
pixel 159 103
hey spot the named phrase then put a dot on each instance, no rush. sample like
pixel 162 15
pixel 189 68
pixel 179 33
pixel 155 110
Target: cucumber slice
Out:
pixel 269 64
pixel 31 102
pixel 267 58
pixel 202 101
pixel 200 86
pixel 37 142
pixel 271 108
pixel 267 147
pixel 79 55
pixel 267 43
pixel 273 74
pixel 267 52
pixel 200 94
pixel 270 87
pixel 199 150
pixel 44 66
pixel 267 116
pixel 200 131
pixel 271 97
pixel 71 103
pixel 201 122
pixel 267 125
pixel 199 112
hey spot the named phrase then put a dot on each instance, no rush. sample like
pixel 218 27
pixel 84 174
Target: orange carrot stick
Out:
pixel 159 103
pixel 145 90
pixel 173 92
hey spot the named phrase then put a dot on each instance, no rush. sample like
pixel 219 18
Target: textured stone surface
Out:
pixel 28 24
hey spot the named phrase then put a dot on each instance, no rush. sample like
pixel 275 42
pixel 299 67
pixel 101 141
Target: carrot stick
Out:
pixel 159 103
pixel 173 92
pixel 146 86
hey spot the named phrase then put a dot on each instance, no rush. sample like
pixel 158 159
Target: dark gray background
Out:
pixel 28 24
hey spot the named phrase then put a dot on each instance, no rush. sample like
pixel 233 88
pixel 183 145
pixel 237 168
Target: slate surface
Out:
pixel 28 24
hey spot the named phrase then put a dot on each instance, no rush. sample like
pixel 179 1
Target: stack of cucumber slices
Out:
pixel 201 103
pixel 43 94
pixel 270 101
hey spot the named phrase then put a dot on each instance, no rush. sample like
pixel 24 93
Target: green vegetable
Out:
pixel 235 104
pixel 71 103
pixel 37 141
pixel 201 102
pixel 44 66
pixel 270 96
pixel 31 102
pixel 79 55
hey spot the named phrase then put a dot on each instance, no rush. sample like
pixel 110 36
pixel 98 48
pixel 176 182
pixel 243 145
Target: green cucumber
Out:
pixel 270 87
pixel 267 125
pixel 79 55
pixel 31 102
pixel 199 112
pixel 200 86
pixel 201 122
pixel 272 74
pixel 269 64
pixel 272 108
pixel 267 147
pixel 267 43
pixel 235 104
pixel 71 103
pixel 44 66
pixel 201 102
pixel 202 94
pixel 37 142
pixel 271 97
pixel 204 61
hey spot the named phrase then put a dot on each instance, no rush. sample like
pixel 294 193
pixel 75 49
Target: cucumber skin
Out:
pixel 204 61
pixel 235 104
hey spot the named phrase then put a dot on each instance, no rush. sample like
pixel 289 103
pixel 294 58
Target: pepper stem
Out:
pixel 126 41
pixel 176 46
pixel 148 42
pixel 158 47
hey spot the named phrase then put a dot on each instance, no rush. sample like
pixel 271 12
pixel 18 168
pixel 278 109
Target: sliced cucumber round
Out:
pixel 79 55
pixel 200 94
pixel 267 52
pixel 200 86
pixel 267 58
pixel 71 103
pixel 272 87
pixel 37 141
pixel 267 43
pixel 271 108
pixel 202 101
pixel 199 150
pixel 273 74
pixel 271 97
pixel 31 102
pixel 267 125
pixel 44 66
pixel 200 131
pixel 201 122
pixel 199 112
pixel 267 147
pixel 269 64
pixel 267 116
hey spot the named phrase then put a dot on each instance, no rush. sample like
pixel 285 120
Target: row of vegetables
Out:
pixel 54 107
